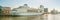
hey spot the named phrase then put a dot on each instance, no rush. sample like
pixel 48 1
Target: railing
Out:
pixel 27 14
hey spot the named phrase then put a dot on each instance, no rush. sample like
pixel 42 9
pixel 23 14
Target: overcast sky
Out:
pixel 32 3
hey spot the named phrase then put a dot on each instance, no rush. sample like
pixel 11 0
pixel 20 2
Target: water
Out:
pixel 18 18
pixel 22 16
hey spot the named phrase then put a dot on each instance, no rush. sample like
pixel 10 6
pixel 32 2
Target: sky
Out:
pixel 50 4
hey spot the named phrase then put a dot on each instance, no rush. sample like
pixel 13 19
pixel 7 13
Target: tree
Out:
pixel 0 10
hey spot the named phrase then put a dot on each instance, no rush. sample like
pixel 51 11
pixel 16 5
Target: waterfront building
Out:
pixel 6 10
pixel 45 9
pixel 41 9
pixel 54 11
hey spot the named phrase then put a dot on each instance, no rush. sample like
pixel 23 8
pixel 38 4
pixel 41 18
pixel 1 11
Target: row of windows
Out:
pixel 5 12
pixel 33 11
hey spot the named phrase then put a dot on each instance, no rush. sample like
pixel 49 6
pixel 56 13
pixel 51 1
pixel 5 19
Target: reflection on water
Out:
pixel 17 18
